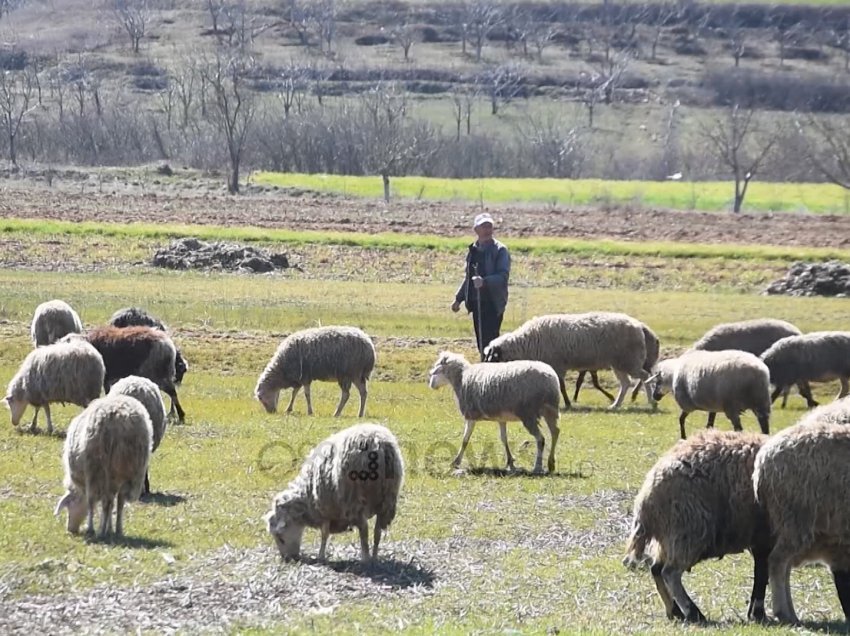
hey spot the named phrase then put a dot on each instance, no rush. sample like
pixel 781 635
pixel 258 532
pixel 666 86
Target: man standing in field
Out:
pixel 484 289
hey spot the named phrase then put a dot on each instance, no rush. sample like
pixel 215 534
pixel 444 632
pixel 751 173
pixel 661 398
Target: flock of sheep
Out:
pixel 716 493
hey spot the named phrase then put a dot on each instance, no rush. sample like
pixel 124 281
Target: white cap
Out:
pixel 482 218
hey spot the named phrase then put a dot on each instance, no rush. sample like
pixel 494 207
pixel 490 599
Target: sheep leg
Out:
pixel 105 517
pixel 735 418
pixel 682 417
pixel 90 526
pixel 672 610
pixel 777 392
pixel 119 515
pixel 467 433
pixel 786 393
pixel 764 421
pixel 760 571
pixel 625 385
pixel 712 415
pixel 34 425
pixel 309 400
pixel 579 382
pixel 842 586
pixel 345 393
pixel 594 378
pixel 147 489
pixel 292 399
pixel 171 392
pixel 503 434
pixel 779 575
pixel 361 388
pixel 673 578
pixel 49 419
pixel 377 540
pixel 363 527
pixel 648 390
pixel 531 427
pixel 806 392
pixel 844 388
pixel 326 532
pixel 564 392
pixel 554 433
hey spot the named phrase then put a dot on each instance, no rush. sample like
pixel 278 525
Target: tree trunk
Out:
pixel 233 179
pixel 13 152
pixel 494 104
pixel 386 179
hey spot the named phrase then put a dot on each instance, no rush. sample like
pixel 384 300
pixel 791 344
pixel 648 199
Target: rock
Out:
pixel 191 253
pixel 814 279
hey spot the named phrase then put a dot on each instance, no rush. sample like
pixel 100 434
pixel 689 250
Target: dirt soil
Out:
pixel 299 210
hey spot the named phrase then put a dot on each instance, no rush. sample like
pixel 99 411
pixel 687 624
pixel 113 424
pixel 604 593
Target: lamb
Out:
pixel 141 351
pixel 68 372
pixel 106 455
pixel 53 320
pixel 697 503
pixel 521 390
pixel 819 356
pixel 801 478
pixel 754 336
pixel 148 394
pixel 730 381
pixel 344 354
pixel 137 317
pixel 590 341
pixel 653 350
pixel 348 478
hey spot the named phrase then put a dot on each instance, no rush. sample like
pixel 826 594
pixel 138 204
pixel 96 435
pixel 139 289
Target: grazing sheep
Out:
pixel 68 372
pixel 348 478
pixel 141 351
pixel 148 394
pixel 819 356
pixel 53 320
pixel 106 455
pixel 653 350
pixel 754 336
pixel 137 317
pixel 590 341
pixel 521 390
pixel 698 503
pixel 730 381
pixel 344 354
pixel 801 478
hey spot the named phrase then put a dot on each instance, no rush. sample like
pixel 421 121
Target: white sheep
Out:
pixel 820 356
pixel 146 392
pixel 697 503
pixel 801 478
pixel 523 390
pixel 106 455
pixel 344 354
pixel 69 372
pixel 348 478
pixel 53 320
pixel 589 341
pixel 755 336
pixel 729 381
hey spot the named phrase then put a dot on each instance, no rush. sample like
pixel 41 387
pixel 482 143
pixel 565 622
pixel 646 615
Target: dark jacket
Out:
pixel 495 271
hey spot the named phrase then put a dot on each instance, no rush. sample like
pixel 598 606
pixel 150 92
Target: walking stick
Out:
pixel 480 323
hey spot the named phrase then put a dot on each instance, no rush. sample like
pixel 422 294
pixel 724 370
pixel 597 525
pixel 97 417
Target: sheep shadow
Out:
pixel 41 432
pixel 389 572
pixel 826 627
pixel 162 499
pixel 488 471
pixel 128 541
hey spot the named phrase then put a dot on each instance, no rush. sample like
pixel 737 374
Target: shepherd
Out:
pixel 484 290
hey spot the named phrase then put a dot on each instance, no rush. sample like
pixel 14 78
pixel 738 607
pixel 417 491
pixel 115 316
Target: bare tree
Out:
pixel 326 16
pixel 601 82
pixel 17 90
pixel 785 34
pixel 480 17
pixel 291 86
pixel 404 35
pixel 553 145
pixel 234 105
pixel 216 10
pixel 462 99
pixel 185 80
pixel 134 16
pixel 665 14
pixel 829 151
pixel 737 38
pixel 742 144
pixel 241 26
pixel 501 83
pixel 541 33
pixel 299 16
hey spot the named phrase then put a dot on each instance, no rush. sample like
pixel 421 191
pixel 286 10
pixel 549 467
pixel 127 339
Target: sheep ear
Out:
pixel 64 502
pixel 652 378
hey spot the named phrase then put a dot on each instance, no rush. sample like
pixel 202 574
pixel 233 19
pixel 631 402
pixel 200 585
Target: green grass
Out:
pixel 711 196
pixel 508 553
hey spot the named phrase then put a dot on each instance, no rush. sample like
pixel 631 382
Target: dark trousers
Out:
pixel 486 329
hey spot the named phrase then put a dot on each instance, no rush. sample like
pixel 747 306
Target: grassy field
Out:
pixel 470 553
pixel 712 196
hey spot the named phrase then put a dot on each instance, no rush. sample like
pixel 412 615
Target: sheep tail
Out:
pixel 636 547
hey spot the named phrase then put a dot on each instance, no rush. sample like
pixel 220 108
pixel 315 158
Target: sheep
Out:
pixel 106 454
pixel 148 394
pixel 653 350
pixel 754 336
pixel 819 356
pixel 801 479
pixel 590 341
pixel 697 503
pixel 68 372
pixel 53 320
pixel 348 478
pixel 137 317
pixel 141 351
pixel 521 390
pixel 730 381
pixel 344 354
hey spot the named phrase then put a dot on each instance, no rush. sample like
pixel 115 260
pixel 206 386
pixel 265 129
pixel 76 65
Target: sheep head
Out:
pixel 446 367
pixel 493 353
pixel 77 509
pixel 16 407
pixel 286 524
pixel 661 381
pixel 268 398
